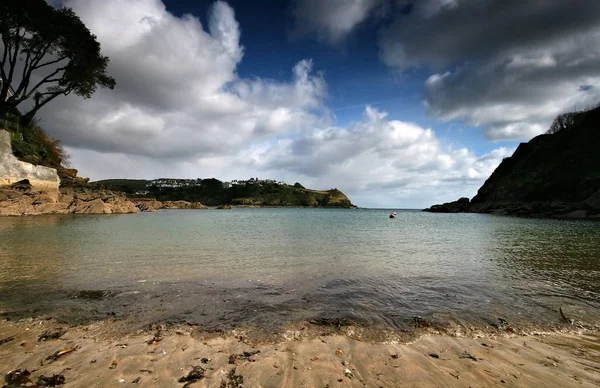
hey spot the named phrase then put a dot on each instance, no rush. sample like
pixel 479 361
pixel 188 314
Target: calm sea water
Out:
pixel 270 267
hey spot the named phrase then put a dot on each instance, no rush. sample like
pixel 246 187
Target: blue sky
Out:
pixel 398 103
pixel 355 75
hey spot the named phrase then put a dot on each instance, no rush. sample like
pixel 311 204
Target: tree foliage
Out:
pixel 567 120
pixel 46 52
pixel 562 122
pixel 31 144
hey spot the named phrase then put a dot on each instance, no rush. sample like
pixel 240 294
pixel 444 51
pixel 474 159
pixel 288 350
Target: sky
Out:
pixel 398 103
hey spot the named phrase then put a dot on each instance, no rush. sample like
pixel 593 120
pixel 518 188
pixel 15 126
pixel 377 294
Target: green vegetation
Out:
pixel 31 144
pixel 129 186
pixel 569 120
pixel 212 193
pixel 49 52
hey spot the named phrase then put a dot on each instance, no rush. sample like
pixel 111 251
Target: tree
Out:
pixel 46 52
pixel 562 122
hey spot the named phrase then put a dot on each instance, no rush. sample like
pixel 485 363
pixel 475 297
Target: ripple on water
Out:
pixel 277 267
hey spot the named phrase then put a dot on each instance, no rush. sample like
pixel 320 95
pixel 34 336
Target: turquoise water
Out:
pixel 270 267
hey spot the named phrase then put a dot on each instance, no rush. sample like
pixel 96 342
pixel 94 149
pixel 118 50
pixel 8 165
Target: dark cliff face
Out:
pixel 551 175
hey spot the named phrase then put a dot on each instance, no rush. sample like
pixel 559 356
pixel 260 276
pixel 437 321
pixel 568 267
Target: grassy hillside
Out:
pixel 212 193
pixel 560 167
pixel 555 174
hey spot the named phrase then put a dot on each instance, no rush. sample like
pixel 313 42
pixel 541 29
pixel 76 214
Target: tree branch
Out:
pixel 42 52
pixel 5 44
pixel 34 65
pixel 25 68
pixel 39 105
pixel 50 62
pixel 15 55
pixel 25 94
pixel 45 79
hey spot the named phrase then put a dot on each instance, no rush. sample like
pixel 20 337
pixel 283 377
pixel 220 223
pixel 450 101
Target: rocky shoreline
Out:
pixel 555 209
pixel 22 200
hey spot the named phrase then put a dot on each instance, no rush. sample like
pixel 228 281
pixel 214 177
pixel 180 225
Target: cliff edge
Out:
pixel 552 175
pixel 30 189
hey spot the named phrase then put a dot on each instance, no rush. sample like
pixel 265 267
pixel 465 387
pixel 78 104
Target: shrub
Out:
pixel 567 120
pixel 31 144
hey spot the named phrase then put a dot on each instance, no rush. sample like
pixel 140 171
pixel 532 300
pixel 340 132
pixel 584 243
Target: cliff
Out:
pixel 555 175
pixel 31 189
pixel 13 170
pixel 212 192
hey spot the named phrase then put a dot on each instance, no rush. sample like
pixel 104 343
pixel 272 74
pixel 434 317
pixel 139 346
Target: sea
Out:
pixel 270 268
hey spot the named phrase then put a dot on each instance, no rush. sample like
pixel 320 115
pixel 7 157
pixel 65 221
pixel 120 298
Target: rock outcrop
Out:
pixel 183 205
pixel 21 200
pixel 13 170
pixel 151 204
pixel 553 175
pixel 148 205
pixel 460 206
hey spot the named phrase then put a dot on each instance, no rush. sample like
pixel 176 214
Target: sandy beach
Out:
pixel 99 355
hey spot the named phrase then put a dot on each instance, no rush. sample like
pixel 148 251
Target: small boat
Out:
pixel 393 215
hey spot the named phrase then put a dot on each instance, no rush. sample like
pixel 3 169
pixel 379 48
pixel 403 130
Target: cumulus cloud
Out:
pixel 178 94
pixel 507 66
pixel 331 21
pixel 380 158
pixel 181 110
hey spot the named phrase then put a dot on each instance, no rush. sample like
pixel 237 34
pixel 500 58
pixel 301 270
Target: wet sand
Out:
pixel 105 357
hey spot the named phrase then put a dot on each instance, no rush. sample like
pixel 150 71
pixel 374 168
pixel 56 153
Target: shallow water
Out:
pixel 272 267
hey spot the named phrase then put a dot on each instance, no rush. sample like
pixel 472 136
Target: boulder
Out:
pixel 148 205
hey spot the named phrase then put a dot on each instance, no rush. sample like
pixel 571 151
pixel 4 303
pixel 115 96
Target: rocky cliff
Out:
pixel 13 170
pixel 28 189
pixel 555 175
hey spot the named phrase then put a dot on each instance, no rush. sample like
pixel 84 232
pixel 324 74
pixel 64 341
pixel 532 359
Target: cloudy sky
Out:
pixel 398 103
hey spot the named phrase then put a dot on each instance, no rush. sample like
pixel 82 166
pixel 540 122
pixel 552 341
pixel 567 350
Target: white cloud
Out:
pixel 506 66
pixel 178 94
pixel 181 110
pixel 381 161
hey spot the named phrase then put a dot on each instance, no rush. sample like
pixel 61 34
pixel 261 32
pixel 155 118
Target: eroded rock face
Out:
pixel 148 205
pixel 183 205
pixel 13 170
pixel 19 202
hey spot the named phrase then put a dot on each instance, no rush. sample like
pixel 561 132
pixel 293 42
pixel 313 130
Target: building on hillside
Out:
pixel 253 181
pixel 174 183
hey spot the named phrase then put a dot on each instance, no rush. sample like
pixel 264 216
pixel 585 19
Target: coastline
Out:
pixel 104 355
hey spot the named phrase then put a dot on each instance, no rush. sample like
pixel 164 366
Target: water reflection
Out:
pixel 273 266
